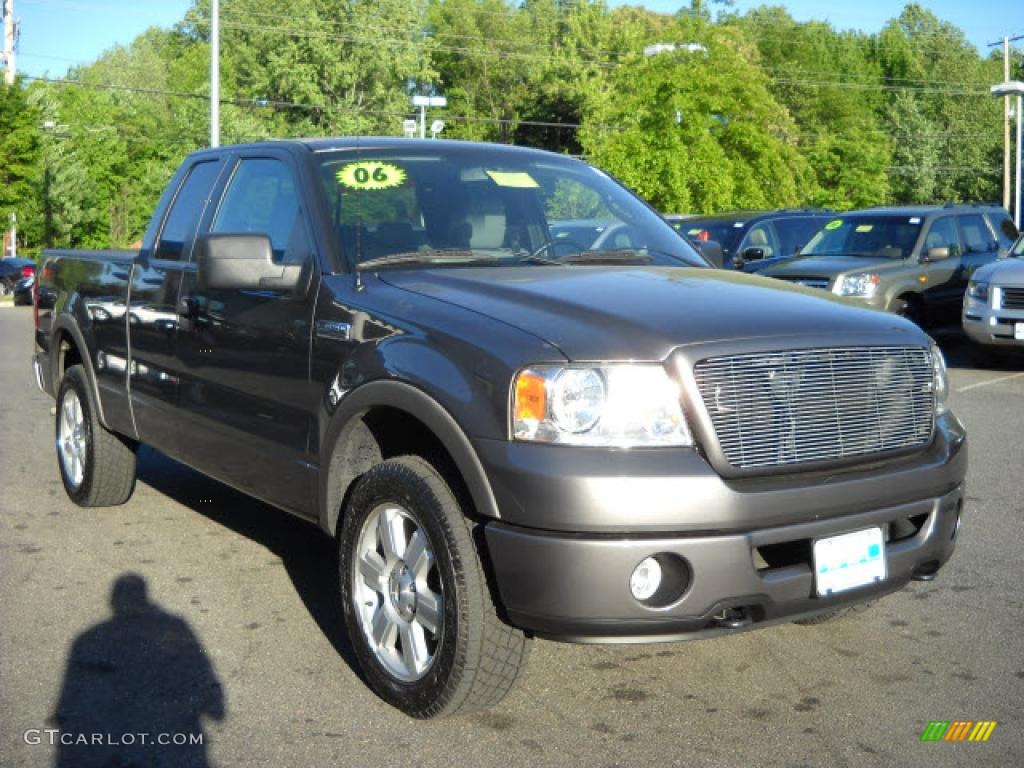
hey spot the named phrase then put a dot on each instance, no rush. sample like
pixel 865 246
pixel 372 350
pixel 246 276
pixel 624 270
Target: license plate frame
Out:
pixel 1018 331
pixel 848 561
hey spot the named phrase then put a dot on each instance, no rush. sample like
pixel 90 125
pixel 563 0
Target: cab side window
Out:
pixel 942 235
pixel 1006 233
pixel 763 236
pixel 977 238
pixel 261 199
pixel 179 228
pixel 795 233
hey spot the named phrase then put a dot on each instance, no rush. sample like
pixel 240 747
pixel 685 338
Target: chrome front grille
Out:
pixel 818 405
pixel 810 282
pixel 1013 298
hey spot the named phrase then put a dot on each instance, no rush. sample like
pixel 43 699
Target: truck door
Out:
pixel 941 289
pixel 244 355
pixel 152 321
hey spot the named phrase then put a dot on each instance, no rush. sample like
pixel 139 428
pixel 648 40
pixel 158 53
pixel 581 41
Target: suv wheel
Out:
pixel 417 606
pixel 96 466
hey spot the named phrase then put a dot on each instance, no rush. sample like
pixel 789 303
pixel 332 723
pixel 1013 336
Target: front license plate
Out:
pixel 1018 330
pixel 849 561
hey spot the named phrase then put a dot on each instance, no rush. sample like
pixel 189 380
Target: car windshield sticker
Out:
pixel 371 174
pixel 695 231
pixel 915 220
pixel 516 179
pixel 865 227
pixel 739 224
pixel 834 224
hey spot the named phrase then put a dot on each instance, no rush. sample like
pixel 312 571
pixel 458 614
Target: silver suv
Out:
pixel 993 309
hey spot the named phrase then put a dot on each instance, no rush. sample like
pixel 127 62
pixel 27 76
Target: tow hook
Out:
pixel 733 618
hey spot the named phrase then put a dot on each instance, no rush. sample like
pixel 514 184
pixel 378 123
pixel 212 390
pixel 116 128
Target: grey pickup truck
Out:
pixel 507 434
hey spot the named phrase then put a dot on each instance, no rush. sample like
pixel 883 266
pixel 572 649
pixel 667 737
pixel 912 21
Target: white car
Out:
pixel 993 311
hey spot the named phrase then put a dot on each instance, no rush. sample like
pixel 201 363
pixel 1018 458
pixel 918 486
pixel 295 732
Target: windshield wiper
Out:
pixel 611 256
pixel 432 256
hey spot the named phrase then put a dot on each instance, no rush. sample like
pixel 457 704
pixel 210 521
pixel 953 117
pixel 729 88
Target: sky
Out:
pixel 57 34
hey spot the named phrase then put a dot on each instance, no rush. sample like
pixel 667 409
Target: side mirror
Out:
pixel 243 262
pixel 753 253
pixel 712 251
pixel 936 254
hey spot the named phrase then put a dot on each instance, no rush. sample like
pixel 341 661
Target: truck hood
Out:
pixel 628 313
pixel 827 266
pixel 1004 272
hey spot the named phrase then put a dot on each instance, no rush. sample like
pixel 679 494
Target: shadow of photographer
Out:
pixel 309 557
pixel 136 680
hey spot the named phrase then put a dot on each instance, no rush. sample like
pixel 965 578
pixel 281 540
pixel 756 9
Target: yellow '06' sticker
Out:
pixel 371 174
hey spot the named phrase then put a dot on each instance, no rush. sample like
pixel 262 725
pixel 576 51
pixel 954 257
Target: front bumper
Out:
pixel 576 588
pixel 993 327
pixel 576 522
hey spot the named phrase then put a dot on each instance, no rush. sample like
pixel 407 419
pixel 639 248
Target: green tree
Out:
pixel 697 130
pixel 20 149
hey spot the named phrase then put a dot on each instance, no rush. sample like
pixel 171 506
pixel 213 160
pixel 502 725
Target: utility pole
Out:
pixel 10 38
pixel 215 73
pixel 1006 117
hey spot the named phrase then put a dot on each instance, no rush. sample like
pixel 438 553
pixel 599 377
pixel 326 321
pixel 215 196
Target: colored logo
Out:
pixel 371 174
pixel 958 730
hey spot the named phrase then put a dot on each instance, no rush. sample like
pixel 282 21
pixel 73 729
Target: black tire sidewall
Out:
pixel 402 485
pixel 75 380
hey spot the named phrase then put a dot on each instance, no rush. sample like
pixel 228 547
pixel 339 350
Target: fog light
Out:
pixel 646 579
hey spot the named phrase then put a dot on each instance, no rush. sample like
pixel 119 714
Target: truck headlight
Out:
pixel 978 291
pixel 622 406
pixel 940 379
pixel 860 284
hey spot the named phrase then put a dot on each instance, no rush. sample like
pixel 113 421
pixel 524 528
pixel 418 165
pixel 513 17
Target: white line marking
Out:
pixel 996 380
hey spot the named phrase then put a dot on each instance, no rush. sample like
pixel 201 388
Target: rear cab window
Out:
pixel 179 228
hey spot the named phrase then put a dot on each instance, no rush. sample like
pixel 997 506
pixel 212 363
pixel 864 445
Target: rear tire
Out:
pixel 97 466
pixel 426 631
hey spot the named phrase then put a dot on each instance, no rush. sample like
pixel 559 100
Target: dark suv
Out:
pixel 914 261
pixel 751 240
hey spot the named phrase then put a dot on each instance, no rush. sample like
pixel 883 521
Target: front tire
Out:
pixel 96 465
pixel 418 609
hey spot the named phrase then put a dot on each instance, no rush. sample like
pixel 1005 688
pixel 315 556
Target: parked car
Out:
pixel 913 261
pixel 751 240
pixel 13 270
pixel 993 308
pixel 504 436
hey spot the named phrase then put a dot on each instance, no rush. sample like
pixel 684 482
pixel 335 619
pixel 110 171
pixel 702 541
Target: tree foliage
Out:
pixel 749 110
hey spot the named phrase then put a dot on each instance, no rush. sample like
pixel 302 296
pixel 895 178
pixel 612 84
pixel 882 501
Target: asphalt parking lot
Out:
pixel 242 642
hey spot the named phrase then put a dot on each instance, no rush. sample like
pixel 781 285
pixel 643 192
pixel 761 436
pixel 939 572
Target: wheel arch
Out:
pixel 68 347
pixel 363 432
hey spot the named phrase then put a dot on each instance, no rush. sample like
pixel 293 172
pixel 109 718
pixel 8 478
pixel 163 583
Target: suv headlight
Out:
pixel 622 406
pixel 940 379
pixel 978 291
pixel 859 284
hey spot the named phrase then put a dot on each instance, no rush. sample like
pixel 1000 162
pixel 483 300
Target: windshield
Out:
pixel 474 205
pixel 1018 248
pixel 888 237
